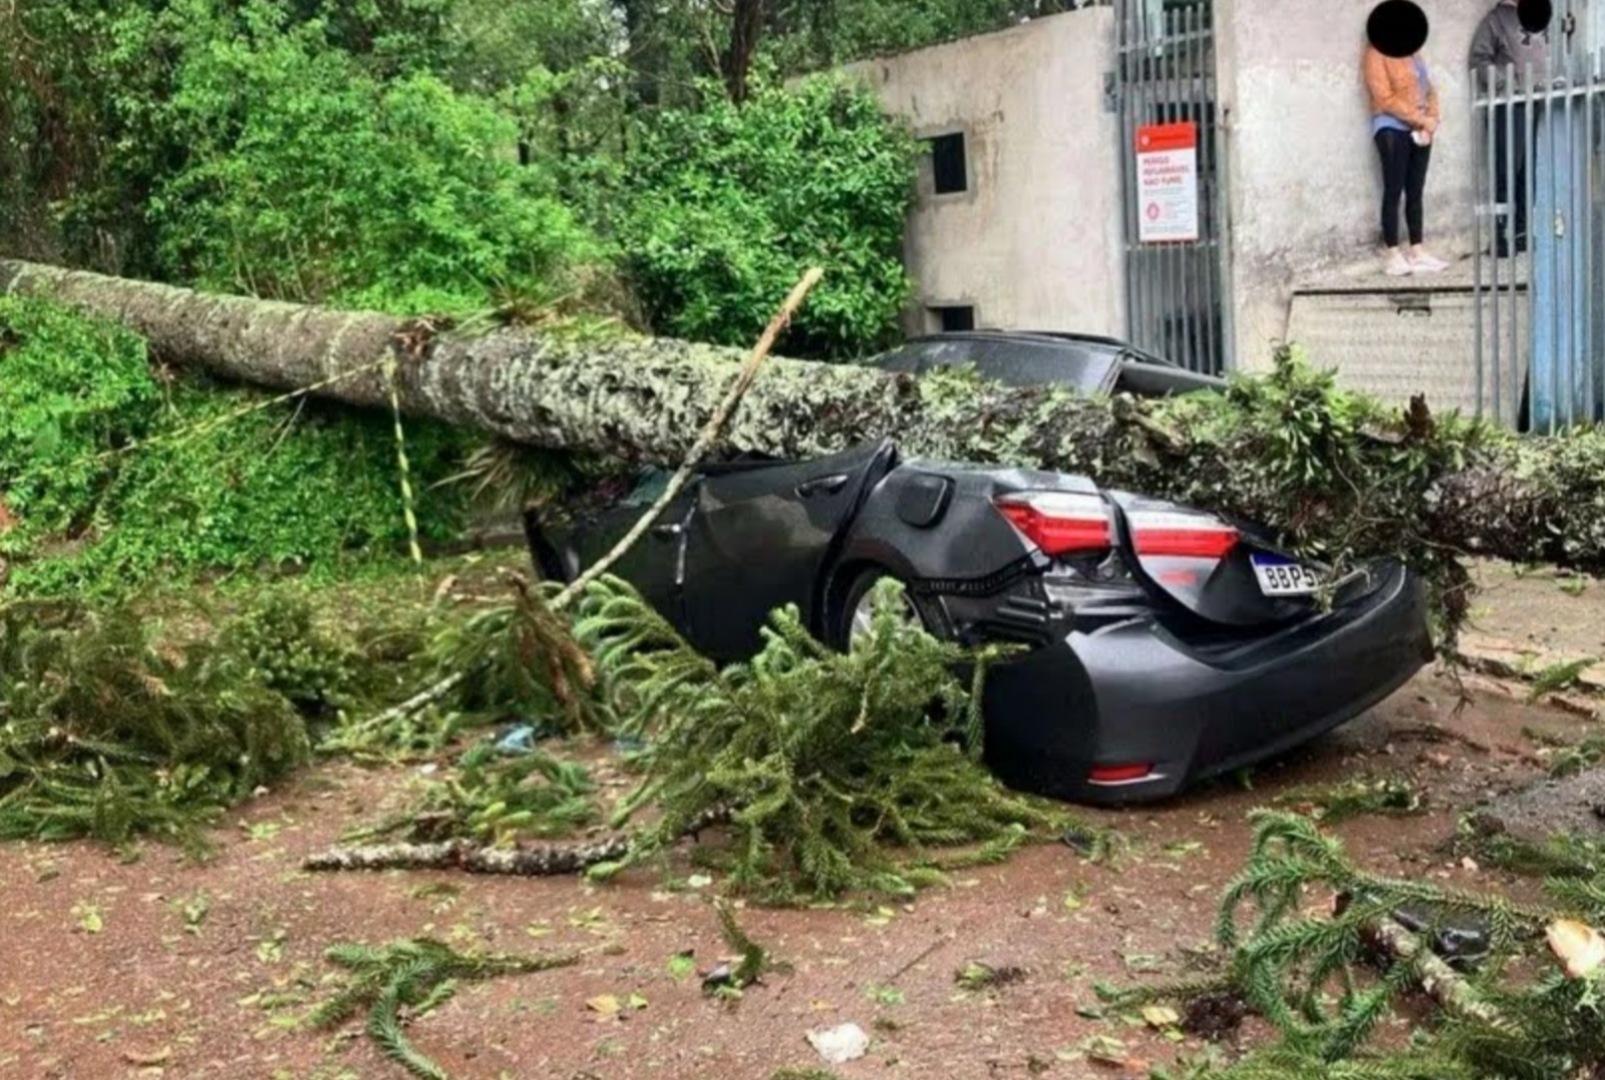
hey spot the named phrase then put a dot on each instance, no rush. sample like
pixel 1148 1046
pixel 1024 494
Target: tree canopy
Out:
pixel 654 159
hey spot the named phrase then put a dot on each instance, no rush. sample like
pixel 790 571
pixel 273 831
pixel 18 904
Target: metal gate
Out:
pixel 1177 291
pixel 1540 231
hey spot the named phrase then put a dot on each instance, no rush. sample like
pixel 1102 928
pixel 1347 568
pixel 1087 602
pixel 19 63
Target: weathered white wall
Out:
pixel 1305 181
pixel 1036 241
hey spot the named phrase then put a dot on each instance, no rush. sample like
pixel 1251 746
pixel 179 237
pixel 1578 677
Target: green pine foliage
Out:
pixel 753 960
pixel 499 798
pixel 841 772
pixel 279 635
pixel 406 980
pixel 108 733
pixel 525 662
pixel 1325 986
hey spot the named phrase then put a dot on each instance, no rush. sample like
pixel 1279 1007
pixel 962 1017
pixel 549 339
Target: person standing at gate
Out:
pixel 1404 123
pixel 1512 38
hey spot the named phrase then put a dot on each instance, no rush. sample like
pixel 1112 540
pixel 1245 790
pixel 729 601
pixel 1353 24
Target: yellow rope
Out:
pixel 203 427
pixel 405 467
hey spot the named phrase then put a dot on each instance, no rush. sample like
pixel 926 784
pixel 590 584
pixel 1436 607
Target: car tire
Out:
pixel 847 617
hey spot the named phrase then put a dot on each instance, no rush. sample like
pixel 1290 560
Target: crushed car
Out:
pixel 1159 645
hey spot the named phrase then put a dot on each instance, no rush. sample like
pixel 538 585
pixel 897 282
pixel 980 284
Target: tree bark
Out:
pixel 1405 484
pixel 546 861
pixel 746 25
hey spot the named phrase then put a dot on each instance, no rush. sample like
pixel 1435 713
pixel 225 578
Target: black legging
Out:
pixel 1404 176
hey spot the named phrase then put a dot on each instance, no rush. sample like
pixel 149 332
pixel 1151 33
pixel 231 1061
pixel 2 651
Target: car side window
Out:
pixel 950 353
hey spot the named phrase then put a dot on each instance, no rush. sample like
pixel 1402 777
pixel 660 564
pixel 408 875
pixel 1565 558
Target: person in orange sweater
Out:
pixel 1404 122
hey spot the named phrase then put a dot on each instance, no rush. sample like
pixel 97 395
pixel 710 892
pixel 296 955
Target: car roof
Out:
pixel 1018 335
pixel 1047 337
pixel 1102 363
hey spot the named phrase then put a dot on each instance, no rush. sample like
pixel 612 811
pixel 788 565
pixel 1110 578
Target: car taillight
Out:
pixel 1119 774
pixel 1060 523
pixel 1192 535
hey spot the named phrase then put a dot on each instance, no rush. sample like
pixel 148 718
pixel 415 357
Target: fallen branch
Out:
pixel 473 857
pixel 1443 983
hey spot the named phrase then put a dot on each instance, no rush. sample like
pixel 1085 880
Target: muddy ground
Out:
pixel 156 965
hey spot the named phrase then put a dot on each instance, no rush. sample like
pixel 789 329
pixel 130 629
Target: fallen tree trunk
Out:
pixel 471 857
pixel 1337 474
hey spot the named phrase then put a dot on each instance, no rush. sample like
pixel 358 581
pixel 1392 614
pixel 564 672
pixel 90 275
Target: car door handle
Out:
pixel 824 485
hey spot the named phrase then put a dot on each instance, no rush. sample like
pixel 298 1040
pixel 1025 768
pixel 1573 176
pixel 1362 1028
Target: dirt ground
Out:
pixel 106 969
pixel 156 965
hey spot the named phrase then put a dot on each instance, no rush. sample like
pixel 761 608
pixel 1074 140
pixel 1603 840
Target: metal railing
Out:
pixel 1177 292
pixel 1540 238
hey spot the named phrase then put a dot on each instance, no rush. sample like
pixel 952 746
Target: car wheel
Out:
pixel 856 615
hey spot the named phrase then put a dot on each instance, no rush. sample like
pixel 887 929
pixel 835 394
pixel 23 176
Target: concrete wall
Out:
pixel 1305 182
pixel 1036 240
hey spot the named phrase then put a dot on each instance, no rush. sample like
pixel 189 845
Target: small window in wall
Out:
pixel 949 167
pixel 955 320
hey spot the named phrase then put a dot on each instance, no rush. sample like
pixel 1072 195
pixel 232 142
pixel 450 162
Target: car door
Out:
pixel 655 565
pixel 761 536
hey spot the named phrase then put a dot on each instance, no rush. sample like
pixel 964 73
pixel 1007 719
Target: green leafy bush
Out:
pixel 306 177
pixel 70 389
pixel 301 485
pixel 726 207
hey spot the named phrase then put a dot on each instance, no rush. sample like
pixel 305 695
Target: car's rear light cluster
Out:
pixel 1189 535
pixel 1067 524
pixel 1061 523
pixel 1120 774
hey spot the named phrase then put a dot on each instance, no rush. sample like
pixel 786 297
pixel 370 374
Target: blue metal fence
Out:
pixel 1540 232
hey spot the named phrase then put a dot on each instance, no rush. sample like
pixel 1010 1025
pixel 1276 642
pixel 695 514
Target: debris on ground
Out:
pixel 1330 983
pixel 406 980
pixel 1351 798
pixel 840 1044
pixel 838 771
pixel 976 976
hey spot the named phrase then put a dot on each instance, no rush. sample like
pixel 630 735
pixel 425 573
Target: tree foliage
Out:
pixel 728 206
pixel 118 475
pixel 840 771
pixel 104 733
pixel 1329 989
pixel 414 978
pixel 439 155
pixel 306 177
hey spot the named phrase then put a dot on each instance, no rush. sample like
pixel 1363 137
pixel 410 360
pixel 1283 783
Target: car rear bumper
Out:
pixel 1135 695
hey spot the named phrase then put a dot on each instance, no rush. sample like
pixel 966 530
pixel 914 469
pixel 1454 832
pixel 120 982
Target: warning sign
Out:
pixel 1167 183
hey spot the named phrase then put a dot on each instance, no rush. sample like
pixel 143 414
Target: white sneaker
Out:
pixel 1394 264
pixel 1423 262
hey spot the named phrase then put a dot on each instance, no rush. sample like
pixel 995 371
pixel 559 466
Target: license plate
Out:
pixel 1284 577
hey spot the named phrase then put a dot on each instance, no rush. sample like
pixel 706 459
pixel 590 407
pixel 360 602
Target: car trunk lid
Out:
pixel 1203 563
